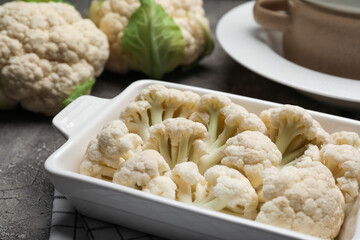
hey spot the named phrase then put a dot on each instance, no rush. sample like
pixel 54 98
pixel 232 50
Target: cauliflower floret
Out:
pixel 208 112
pixel 136 118
pixel 223 120
pixel 191 185
pixel 344 163
pixel 188 106
pixel 312 151
pixel 112 146
pixel 158 96
pixel 175 139
pixel 95 169
pixel 113 16
pixel 229 191
pixel 138 170
pixel 155 104
pixel 251 152
pixel 167 103
pixel 162 186
pixel 322 136
pixel 304 198
pixel 291 128
pixel 344 137
pixel 115 142
pixel 47 53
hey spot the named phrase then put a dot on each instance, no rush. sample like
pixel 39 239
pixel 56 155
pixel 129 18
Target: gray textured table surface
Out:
pixel 27 139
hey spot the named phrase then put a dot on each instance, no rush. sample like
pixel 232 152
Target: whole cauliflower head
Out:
pixel 183 22
pixel 304 198
pixel 137 171
pixel 46 52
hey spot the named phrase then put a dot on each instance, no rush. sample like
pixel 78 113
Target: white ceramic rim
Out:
pixel 235 33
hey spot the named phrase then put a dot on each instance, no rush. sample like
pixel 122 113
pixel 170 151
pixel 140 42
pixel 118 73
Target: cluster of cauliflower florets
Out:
pixel 280 168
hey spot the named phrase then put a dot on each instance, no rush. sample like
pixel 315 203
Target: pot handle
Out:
pixel 77 113
pixel 272 14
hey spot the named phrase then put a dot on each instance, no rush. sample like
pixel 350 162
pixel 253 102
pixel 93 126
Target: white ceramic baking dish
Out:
pixel 83 119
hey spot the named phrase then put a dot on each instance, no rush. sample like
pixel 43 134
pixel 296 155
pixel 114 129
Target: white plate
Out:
pixel 82 120
pixel 260 50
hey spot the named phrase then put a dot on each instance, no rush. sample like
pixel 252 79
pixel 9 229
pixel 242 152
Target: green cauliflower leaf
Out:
pixel 152 41
pixel 82 89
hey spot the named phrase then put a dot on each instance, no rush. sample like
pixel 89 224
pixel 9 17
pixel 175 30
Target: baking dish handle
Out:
pixel 78 113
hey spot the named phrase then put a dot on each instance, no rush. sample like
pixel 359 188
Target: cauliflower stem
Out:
pixel 184 192
pixel 291 128
pixel 175 154
pixel 212 202
pixel 211 159
pixel 174 138
pixel 288 158
pixel 137 118
pixel 107 172
pixel 287 133
pixel 191 185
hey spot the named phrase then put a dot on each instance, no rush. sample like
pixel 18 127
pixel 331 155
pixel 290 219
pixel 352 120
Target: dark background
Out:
pixel 27 139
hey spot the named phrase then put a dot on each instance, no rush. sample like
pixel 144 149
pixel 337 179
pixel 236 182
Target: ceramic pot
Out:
pixel 315 37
